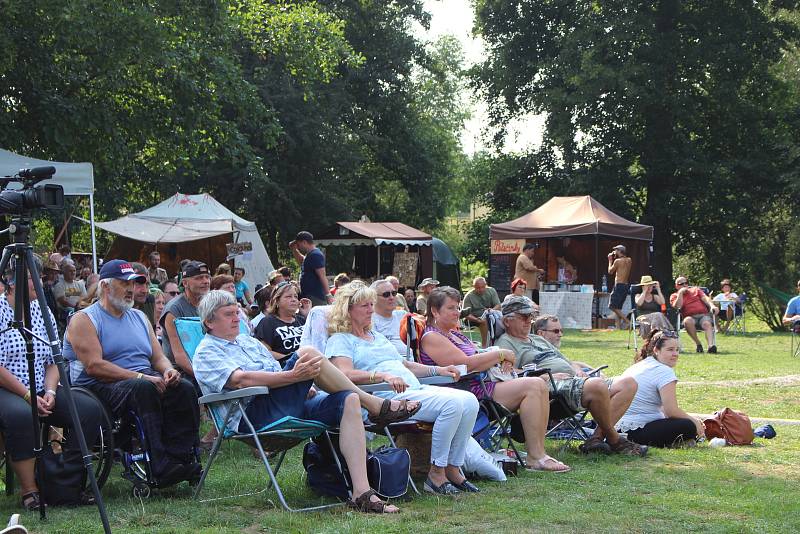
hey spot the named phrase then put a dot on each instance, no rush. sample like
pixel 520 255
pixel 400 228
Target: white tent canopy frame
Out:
pixel 77 179
pixel 182 218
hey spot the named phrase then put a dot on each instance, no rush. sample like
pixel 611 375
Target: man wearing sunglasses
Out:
pixel 607 399
pixel 696 310
pixel 386 318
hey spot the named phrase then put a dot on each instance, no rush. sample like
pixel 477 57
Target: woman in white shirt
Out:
pixel 654 417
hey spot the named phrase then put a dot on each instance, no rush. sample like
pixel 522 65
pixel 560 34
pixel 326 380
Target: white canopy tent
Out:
pixel 183 218
pixel 77 179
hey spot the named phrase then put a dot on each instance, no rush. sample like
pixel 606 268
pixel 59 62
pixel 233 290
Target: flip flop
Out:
pixel 541 465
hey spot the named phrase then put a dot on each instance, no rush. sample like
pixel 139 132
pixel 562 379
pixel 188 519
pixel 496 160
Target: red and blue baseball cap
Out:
pixel 121 270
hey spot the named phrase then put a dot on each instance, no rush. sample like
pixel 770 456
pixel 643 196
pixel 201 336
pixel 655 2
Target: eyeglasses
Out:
pixel 554 330
pixel 387 294
pixel 525 316
pixel 174 293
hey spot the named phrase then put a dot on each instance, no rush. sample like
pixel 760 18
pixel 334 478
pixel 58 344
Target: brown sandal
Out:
pixel 363 503
pixel 32 501
pixel 388 416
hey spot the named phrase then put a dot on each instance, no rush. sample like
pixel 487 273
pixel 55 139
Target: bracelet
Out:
pixel 502 357
pixel 139 376
pixel 372 377
pixel 27 396
pixel 51 392
pixel 432 370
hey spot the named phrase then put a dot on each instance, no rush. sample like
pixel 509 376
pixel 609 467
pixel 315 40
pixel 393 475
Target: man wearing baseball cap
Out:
pixel 425 287
pixel 196 281
pixel 118 358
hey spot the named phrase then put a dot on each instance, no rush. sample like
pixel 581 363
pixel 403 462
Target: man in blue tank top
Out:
pixel 123 364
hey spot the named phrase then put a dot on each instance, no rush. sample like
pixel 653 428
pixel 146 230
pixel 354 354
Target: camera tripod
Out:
pixel 24 264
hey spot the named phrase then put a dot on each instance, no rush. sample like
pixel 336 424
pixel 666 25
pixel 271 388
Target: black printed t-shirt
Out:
pixel 282 337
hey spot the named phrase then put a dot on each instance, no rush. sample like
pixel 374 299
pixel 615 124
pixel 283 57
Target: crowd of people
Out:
pixel 120 337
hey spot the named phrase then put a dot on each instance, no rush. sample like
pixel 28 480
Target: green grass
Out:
pixel 731 489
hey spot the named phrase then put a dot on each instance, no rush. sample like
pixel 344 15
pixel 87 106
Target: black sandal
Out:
pixel 362 503
pixel 388 416
pixel 32 501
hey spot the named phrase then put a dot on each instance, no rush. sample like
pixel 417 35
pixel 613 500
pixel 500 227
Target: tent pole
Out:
pixel 91 225
pixel 378 272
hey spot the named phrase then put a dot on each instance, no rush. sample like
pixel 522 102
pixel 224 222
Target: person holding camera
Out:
pixel 620 266
pixel 696 309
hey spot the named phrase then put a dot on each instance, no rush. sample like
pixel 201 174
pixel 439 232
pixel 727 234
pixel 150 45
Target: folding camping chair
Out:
pixel 679 324
pixel 795 328
pixel 738 325
pixel 272 441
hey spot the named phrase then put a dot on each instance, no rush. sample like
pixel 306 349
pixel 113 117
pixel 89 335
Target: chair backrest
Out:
pixel 494 324
pixel 315 331
pixel 190 332
pixel 411 329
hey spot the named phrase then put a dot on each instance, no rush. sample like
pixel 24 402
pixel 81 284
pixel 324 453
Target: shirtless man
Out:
pixel 620 266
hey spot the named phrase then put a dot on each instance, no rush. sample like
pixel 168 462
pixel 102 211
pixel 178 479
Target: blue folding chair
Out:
pixel 272 441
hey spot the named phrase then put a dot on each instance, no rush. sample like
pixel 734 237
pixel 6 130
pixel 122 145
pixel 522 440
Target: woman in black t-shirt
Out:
pixel 281 329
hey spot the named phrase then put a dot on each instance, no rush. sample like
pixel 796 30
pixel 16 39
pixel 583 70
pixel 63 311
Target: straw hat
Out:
pixel 647 281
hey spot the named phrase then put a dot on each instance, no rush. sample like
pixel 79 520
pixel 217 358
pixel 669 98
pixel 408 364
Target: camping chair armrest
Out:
pixel 236 394
pixel 597 370
pixel 536 372
pixel 428 380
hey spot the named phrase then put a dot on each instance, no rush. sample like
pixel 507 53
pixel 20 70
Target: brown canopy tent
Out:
pixel 578 228
pixel 376 247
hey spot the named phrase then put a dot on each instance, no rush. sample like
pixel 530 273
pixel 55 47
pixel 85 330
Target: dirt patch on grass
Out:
pixel 788 380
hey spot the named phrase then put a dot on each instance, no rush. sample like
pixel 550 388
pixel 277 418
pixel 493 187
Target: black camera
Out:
pixel 30 197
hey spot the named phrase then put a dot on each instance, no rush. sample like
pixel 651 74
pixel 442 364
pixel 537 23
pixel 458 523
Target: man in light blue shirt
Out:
pixel 227 360
pixel 792 315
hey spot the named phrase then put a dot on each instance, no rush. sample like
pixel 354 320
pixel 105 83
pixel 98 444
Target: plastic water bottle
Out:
pixel 604 286
pixel 717 442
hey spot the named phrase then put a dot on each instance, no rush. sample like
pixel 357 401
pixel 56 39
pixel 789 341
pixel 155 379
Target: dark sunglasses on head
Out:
pixel 387 294
pixel 669 334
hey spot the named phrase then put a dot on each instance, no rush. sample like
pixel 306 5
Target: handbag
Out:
pixel 388 469
pixel 730 424
pixel 62 476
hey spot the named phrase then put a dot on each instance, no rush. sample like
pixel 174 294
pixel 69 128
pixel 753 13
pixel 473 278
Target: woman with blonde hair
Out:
pixel 366 357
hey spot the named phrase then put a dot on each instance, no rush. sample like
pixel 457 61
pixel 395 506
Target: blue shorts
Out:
pixel 291 400
pixel 618 296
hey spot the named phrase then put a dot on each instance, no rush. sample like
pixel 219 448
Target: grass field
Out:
pixel 731 489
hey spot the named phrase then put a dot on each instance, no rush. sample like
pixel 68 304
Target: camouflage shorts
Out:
pixel 571 390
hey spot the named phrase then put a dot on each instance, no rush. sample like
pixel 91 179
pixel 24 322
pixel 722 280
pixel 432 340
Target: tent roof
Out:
pixel 75 178
pixel 570 216
pixel 192 208
pixel 179 218
pixel 369 233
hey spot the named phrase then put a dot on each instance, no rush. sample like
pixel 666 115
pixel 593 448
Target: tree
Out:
pixel 668 112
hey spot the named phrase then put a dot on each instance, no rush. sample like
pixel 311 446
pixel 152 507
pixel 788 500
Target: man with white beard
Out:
pixel 123 365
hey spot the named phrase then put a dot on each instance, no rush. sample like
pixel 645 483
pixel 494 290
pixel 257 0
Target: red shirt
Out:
pixel 693 303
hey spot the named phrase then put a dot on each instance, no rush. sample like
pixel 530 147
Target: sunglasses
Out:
pixel 174 293
pixel 387 294
pixel 681 284
pixel 669 334
pixel 555 331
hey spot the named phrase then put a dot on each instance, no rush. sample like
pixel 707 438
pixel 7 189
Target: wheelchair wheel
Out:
pixel 102 450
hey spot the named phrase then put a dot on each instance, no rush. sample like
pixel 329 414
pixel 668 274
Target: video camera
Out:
pixel 30 196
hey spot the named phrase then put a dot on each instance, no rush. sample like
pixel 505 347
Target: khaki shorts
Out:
pixel 700 318
pixel 571 390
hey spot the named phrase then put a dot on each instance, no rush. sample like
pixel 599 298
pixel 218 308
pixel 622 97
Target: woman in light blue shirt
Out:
pixel 366 357
pixel 654 417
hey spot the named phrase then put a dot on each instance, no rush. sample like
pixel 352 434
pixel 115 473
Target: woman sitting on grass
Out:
pixel 654 417
pixel 443 344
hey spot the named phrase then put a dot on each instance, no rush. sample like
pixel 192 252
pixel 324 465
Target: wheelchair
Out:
pixel 127 444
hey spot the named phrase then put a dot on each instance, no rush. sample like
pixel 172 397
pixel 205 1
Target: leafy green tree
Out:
pixel 668 112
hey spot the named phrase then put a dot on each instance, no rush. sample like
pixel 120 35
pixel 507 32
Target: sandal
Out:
pixel 362 503
pixel 542 465
pixel 629 448
pixel 32 501
pixel 388 416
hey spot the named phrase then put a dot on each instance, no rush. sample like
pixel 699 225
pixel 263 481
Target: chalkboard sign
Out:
pixel 405 268
pixel 501 269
